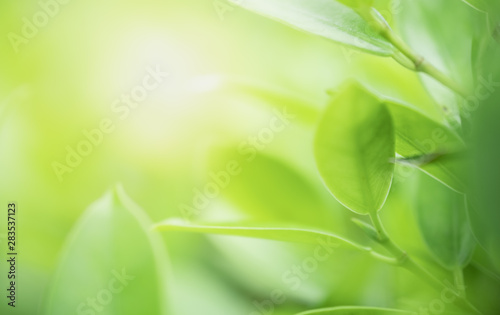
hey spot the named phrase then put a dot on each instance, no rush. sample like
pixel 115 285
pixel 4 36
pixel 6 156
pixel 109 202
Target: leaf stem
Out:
pixel 419 63
pixel 409 264
pixel 459 281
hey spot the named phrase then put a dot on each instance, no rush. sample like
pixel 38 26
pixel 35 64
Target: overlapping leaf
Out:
pixel 326 18
pixel 419 136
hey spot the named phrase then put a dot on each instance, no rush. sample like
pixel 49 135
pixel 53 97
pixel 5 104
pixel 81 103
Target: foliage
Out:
pixel 388 109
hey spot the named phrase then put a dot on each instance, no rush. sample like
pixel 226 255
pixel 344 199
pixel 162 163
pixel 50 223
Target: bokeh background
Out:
pixel 228 72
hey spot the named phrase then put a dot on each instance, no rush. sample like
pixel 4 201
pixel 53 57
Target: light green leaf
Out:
pixel 443 222
pixel 419 136
pixel 275 232
pixel 356 3
pixel 368 229
pixel 326 18
pixel 354 147
pixel 487 6
pixel 267 189
pixel 110 258
pixel 442 42
pixel 448 169
pixel 212 291
pixel 304 109
pixel 355 310
pixel 419 160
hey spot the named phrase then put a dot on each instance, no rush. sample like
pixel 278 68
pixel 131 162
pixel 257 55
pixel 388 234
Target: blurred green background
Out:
pixel 228 71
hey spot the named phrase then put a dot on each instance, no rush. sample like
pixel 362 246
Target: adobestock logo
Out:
pixel 295 276
pixel 123 107
pixel 447 297
pixel 248 149
pixel 30 27
pixel 223 6
pixel 483 90
pixel 116 285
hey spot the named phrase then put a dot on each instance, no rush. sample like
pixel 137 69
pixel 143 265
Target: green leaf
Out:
pixel 356 3
pixel 213 292
pixel 419 136
pixel 354 147
pixel 304 109
pixel 110 257
pixel 485 171
pixel 419 160
pixel 479 5
pixel 368 229
pixel 275 232
pixel 354 310
pixel 442 42
pixel 326 18
pixel 267 189
pixel 487 6
pixel 443 222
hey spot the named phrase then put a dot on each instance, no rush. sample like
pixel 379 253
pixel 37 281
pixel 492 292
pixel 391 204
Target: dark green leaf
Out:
pixel 443 222
pixel 485 172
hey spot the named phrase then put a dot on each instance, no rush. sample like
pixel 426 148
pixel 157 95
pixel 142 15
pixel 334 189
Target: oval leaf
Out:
pixel 277 233
pixel 419 136
pixel 443 222
pixel 354 147
pixel 326 18
pixel 355 310
pixel 108 261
